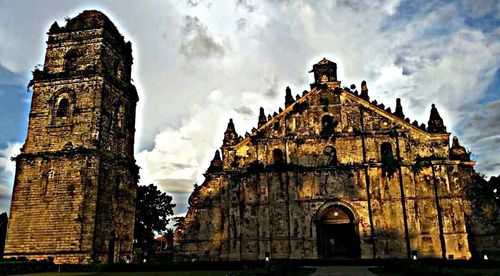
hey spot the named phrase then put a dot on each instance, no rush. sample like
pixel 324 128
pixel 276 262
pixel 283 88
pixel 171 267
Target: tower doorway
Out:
pixel 111 248
pixel 337 233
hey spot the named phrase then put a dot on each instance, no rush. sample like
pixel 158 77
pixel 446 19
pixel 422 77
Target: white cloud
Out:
pixel 7 166
pixel 181 155
pixel 7 170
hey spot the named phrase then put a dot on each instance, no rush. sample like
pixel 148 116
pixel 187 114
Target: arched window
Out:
pixel 386 151
pixel 63 108
pixel 70 61
pixel 328 125
pixel 389 162
pixel 278 157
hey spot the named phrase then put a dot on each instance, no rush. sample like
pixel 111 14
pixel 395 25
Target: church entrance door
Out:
pixel 337 237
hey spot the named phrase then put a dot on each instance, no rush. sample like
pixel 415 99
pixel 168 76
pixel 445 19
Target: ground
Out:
pixel 391 270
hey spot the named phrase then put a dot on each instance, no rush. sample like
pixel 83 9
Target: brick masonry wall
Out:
pixel 76 178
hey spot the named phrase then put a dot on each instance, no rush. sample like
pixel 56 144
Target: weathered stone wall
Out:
pixel 327 148
pixel 47 132
pixel 116 210
pixel 75 185
pixel 274 212
pixel 53 207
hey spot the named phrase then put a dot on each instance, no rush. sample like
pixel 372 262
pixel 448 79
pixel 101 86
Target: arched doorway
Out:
pixel 337 232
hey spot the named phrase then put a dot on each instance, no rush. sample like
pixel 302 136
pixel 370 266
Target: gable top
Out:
pixel 362 99
pixel 325 61
pixel 325 71
pixel 350 95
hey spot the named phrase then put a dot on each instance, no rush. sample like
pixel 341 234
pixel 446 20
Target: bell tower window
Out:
pixel 63 108
pixel 70 61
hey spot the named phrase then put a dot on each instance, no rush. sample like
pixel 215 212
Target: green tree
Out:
pixel 178 221
pixel 4 219
pixel 152 210
pixel 169 236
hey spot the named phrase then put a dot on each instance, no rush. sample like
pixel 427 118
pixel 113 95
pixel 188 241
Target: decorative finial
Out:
pixel 230 125
pixel 288 97
pixel 324 71
pixel 364 91
pixel 54 28
pixel 399 109
pixel 262 117
pixel 216 163
pixel 435 124
pixel 230 135
pixel 458 152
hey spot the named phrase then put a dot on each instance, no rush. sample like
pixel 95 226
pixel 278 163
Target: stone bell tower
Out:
pixel 325 73
pixel 76 177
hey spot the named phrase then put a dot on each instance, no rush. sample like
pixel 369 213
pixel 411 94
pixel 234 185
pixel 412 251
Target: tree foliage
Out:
pixel 4 219
pixel 169 236
pixel 178 221
pixel 152 210
pixel 484 190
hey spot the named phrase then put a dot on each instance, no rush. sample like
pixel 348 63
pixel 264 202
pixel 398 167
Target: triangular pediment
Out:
pixel 306 117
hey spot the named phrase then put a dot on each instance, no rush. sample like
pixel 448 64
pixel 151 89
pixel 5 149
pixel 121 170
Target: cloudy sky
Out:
pixel 200 62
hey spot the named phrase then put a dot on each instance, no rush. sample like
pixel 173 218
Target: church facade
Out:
pixel 332 175
pixel 76 178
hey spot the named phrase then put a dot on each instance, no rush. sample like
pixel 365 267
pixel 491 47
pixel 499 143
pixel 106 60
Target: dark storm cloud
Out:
pixel 15 101
pixel 181 166
pixel 180 199
pixel 244 110
pixel 175 185
pixel 272 90
pixel 246 4
pixel 193 3
pixel 475 8
pixel 7 77
pixel 241 23
pixel 197 42
pixel 482 121
pixel 481 134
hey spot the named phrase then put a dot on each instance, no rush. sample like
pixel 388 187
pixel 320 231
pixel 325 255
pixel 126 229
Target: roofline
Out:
pixel 356 98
